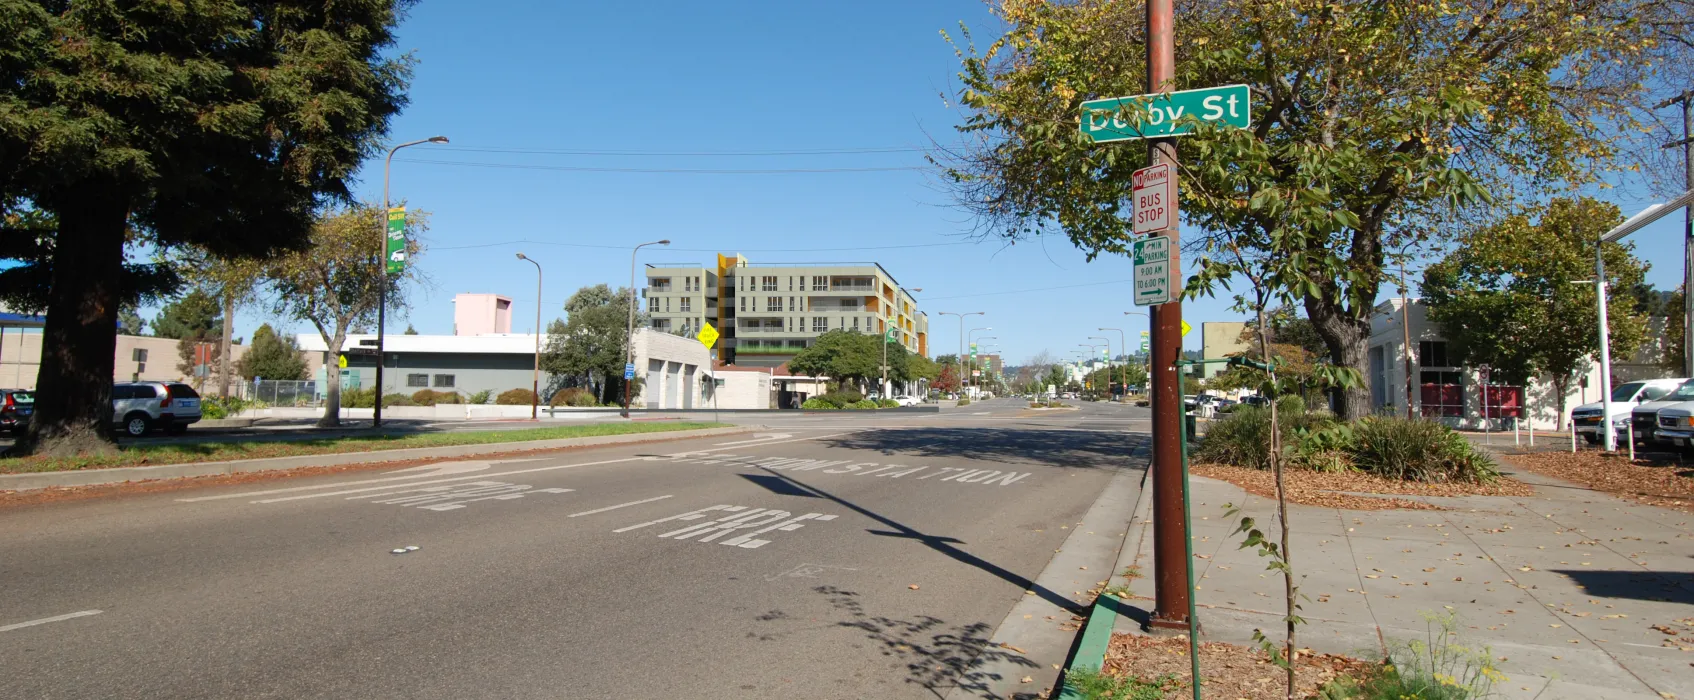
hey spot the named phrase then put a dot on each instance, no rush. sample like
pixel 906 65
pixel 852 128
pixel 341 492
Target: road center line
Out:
pixel 45 620
pixel 620 505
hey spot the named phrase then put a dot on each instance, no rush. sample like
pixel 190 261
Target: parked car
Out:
pixel 16 406
pixel 1644 418
pixel 138 407
pixel 905 400
pixel 1624 399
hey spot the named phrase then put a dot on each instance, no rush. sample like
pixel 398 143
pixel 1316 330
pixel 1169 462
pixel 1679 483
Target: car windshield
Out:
pixel 1682 393
pixel 23 397
pixel 1626 392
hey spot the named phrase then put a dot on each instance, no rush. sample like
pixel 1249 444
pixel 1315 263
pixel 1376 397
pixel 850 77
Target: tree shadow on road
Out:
pixel 1033 446
pixel 1663 586
pixel 937 656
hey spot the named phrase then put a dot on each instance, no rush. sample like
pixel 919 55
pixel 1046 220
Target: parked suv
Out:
pixel 16 405
pixel 1624 399
pixel 138 407
pixel 1644 420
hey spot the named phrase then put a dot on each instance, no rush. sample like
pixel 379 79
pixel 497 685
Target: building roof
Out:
pixel 488 344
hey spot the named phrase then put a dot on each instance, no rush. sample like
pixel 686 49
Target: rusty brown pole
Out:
pixel 1170 558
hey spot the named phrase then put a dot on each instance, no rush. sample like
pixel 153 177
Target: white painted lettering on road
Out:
pixel 956 475
pixel 620 505
pixel 739 518
pixel 455 496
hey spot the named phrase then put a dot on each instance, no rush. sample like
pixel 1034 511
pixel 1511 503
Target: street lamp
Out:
pixel 961 356
pixel 1093 350
pixel 1108 342
pixel 972 341
pixel 629 337
pixel 1123 345
pixel 535 378
pixel 382 271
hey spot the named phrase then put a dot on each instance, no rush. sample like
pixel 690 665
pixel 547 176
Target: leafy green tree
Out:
pixel 848 357
pixel 272 356
pixel 1675 334
pixel 410 330
pixel 221 123
pixel 1372 123
pixel 195 314
pixel 1504 297
pixel 591 343
pixel 335 283
pixel 130 321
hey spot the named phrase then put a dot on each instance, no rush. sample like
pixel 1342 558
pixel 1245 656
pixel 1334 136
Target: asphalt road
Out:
pixel 845 556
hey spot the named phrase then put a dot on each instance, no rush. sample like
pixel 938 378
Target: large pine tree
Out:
pixel 219 123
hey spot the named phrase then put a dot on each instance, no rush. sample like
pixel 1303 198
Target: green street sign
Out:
pixel 1152 271
pixel 396 240
pixel 1165 114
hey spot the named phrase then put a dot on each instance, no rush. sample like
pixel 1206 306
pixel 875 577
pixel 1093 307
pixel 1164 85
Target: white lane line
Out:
pixel 449 480
pixel 620 505
pixel 758 437
pixel 45 620
pixel 773 442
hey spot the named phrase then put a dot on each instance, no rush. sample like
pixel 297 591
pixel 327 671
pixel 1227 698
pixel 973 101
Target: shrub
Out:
pixel 1439 667
pixel 819 403
pixel 1418 450
pixel 843 397
pixel 216 407
pixel 963 402
pixel 861 404
pixel 574 396
pixel 1243 437
pixel 481 396
pixel 397 400
pixel 1037 404
pixel 887 403
pixel 358 398
pixel 426 397
pixel 515 397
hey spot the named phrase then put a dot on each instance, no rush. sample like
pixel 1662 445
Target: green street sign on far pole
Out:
pixel 1165 114
pixel 396 240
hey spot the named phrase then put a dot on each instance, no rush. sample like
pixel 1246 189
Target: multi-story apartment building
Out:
pixel 767 313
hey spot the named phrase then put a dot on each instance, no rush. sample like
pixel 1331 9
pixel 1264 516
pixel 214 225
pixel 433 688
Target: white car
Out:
pixel 1625 397
pixel 905 400
pixel 1648 419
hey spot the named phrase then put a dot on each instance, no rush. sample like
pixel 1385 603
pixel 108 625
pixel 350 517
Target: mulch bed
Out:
pixel 1653 483
pixel 1227 671
pixel 1322 489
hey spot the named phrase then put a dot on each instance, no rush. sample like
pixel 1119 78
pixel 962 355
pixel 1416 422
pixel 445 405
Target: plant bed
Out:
pixel 1668 485
pixel 1226 670
pixel 1326 489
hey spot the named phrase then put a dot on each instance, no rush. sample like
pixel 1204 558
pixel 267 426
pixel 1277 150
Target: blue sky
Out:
pixel 689 77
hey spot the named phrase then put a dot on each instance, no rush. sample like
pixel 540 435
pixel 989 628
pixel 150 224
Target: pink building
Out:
pixel 481 314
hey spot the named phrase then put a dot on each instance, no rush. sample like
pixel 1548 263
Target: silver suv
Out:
pixel 138 407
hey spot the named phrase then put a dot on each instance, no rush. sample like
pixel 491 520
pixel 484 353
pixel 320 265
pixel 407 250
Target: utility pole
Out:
pixel 1687 144
pixel 383 280
pixel 1170 546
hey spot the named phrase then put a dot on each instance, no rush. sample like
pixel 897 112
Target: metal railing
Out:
pixel 278 392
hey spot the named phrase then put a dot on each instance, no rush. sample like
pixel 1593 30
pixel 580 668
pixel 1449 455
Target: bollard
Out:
pixel 1515 442
pixel 1573 436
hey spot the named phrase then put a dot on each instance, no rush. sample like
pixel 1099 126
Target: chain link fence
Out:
pixel 278 392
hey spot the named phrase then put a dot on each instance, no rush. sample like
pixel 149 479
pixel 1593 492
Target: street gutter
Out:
pixel 119 475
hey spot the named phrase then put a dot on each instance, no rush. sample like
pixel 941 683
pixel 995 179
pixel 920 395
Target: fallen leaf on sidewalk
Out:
pixel 913 586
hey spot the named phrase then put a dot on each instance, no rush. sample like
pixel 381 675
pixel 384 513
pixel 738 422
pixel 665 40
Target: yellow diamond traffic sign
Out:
pixel 1186 328
pixel 708 336
pixel 343 362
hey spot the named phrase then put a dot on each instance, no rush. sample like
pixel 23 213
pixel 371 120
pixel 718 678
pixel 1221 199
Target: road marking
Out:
pixel 45 620
pixel 758 437
pixel 779 442
pixel 739 518
pixel 620 505
pixel 807 571
pixel 455 496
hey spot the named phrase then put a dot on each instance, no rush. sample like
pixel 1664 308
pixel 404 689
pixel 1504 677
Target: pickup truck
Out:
pixel 1625 397
pixel 1644 419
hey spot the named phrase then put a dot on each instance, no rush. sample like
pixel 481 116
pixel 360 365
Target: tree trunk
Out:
pixel 332 379
pixel 223 359
pixel 1560 382
pixel 1345 336
pixel 73 394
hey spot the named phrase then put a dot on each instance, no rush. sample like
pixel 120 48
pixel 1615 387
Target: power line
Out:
pixel 1022 291
pixel 668 171
pixel 656 154
pixel 698 250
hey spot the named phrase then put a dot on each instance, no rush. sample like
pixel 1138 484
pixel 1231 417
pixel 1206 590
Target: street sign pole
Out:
pixel 1170 546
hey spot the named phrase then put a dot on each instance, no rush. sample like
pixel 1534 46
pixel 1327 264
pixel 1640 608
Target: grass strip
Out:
pixel 142 454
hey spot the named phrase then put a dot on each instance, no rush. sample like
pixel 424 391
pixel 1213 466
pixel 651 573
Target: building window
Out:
pixel 686 304
pixel 855 324
pixel 1433 353
pixel 743 303
pixel 652 305
pixel 1443 394
pixel 819 324
pixel 659 284
pixel 792 306
pixel 773 303
pixel 444 380
pixel 820 284
pixel 418 380
pixel 769 283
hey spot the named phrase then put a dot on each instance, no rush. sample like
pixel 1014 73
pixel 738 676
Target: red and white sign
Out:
pixel 1155 198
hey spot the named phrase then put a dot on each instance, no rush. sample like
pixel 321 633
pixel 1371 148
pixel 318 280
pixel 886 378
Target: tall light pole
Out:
pixel 1123 345
pixel 1109 358
pixel 535 378
pixel 1093 351
pixel 382 270
pixel 629 337
pixel 961 356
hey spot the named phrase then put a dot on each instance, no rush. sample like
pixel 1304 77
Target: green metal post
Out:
pixel 1188 546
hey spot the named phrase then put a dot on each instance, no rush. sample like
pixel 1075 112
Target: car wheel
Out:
pixel 137 424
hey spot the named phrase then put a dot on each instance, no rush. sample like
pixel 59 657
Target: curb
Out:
pixel 1090 652
pixel 1139 521
pixel 119 475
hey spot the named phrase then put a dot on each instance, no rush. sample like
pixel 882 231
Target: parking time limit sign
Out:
pixel 1154 192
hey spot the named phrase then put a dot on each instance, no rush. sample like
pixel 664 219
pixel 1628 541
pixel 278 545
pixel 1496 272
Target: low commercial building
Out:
pixel 1220 340
pixel 136 357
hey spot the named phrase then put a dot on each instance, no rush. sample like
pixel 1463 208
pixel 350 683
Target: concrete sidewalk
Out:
pixel 1564 585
